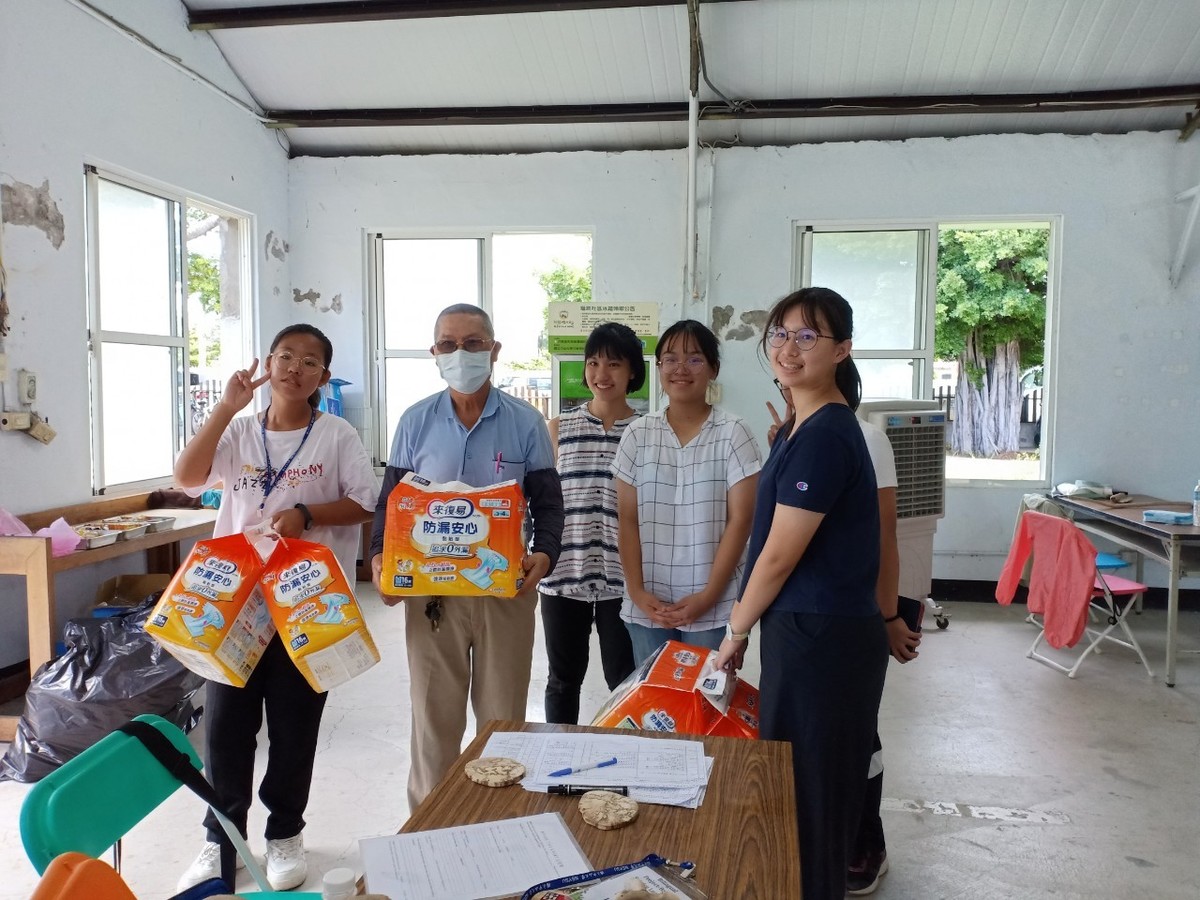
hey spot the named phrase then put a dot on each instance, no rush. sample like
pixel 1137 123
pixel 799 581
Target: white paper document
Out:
pixel 667 771
pixel 472 862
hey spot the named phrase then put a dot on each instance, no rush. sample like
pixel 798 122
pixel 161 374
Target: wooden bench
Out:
pixel 31 557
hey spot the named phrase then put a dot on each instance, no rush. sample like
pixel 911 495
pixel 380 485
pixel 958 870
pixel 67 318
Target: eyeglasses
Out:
pixel 691 363
pixel 471 345
pixel 805 338
pixel 285 358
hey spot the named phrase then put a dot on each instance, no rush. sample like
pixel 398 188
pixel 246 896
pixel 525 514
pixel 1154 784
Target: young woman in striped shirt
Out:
pixel 587 585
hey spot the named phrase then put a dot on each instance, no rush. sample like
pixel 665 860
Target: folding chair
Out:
pixel 1065 588
pixel 1104 602
pixel 93 800
pixel 76 876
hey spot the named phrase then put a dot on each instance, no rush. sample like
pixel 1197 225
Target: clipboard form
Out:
pixel 664 771
pixel 472 862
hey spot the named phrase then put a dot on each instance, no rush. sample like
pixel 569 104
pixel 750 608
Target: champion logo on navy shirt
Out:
pixel 802 485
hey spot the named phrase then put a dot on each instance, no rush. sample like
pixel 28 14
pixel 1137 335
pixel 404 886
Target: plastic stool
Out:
pixel 76 876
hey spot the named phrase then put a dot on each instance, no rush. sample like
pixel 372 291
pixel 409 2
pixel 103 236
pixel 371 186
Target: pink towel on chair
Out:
pixel 1062 578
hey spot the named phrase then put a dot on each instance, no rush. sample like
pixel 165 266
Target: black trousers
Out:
pixel 822 679
pixel 568 626
pixel 870 825
pixel 233 717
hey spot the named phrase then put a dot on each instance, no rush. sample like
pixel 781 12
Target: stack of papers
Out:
pixel 670 772
pixel 472 862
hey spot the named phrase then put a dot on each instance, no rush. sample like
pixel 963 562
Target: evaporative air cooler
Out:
pixel 917 431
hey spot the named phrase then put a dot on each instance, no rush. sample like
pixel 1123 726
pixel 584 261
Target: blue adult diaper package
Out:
pixel 1167 517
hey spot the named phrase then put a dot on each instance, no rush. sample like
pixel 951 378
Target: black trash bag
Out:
pixel 112 671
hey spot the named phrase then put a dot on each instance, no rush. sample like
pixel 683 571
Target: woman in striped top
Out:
pixel 586 585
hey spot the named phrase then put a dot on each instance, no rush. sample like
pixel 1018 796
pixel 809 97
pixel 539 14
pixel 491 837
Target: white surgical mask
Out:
pixel 465 372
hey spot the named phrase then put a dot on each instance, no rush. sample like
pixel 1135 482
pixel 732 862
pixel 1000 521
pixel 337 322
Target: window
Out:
pixel 512 276
pixel 955 313
pixel 165 297
pixel 885 275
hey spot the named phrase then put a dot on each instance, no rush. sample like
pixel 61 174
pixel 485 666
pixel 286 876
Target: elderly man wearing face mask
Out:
pixel 477 647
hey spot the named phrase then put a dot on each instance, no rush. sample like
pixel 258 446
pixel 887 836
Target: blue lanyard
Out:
pixel 652 861
pixel 269 483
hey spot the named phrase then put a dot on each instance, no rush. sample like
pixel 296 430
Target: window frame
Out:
pixel 378 353
pixel 926 301
pixel 927 306
pixel 178 338
pixel 377 350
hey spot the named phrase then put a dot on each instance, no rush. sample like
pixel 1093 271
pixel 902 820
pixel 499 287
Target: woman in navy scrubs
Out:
pixel 810 581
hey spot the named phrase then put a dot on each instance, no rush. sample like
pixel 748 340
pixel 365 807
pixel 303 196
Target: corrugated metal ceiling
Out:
pixel 755 49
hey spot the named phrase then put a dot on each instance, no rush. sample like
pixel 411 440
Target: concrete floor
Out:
pixel 1004 779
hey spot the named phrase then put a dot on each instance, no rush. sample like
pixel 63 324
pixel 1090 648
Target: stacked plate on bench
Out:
pixel 119 528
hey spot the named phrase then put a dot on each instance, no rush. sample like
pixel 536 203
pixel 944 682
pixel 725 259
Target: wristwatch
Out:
pixel 731 635
pixel 308 520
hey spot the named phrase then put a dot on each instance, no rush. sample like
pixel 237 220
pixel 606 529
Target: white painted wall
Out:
pixel 73 91
pixel 631 202
pixel 1125 361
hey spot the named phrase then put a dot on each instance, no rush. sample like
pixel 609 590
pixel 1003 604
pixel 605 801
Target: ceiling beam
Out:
pixel 385 10
pixel 930 104
pixel 478 115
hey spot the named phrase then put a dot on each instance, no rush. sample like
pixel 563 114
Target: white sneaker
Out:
pixel 205 866
pixel 286 866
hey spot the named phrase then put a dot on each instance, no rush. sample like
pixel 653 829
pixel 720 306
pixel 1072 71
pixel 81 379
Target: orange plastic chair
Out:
pixel 77 876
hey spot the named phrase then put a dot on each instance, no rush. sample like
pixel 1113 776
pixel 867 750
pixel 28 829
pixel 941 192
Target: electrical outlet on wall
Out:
pixel 15 420
pixel 26 387
pixel 39 430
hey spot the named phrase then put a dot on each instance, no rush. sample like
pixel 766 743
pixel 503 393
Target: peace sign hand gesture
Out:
pixel 242 385
pixel 774 429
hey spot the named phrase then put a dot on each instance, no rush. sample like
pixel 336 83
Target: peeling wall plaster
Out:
pixel 752 323
pixel 276 247
pixel 311 296
pixel 720 318
pixel 24 204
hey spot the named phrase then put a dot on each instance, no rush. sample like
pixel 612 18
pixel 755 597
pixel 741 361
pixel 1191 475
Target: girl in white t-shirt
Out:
pixel 685 480
pixel 308 474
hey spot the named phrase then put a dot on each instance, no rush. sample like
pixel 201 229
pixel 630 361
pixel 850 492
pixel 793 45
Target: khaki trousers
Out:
pixel 483 649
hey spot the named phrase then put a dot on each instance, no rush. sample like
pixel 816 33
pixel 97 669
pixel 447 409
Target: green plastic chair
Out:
pixel 88 804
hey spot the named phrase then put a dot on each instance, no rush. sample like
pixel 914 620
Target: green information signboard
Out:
pixel 572 386
pixel 567 334
pixel 571 323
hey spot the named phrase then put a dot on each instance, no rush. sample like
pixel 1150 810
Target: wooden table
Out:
pixel 1175 546
pixel 743 838
pixel 31 557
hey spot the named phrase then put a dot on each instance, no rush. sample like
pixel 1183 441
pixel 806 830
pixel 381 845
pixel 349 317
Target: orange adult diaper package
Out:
pixel 453 539
pixel 313 606
pixel 679 689
pixel 212 617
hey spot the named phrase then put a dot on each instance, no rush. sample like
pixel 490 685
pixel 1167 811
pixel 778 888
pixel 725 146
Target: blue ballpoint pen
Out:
pixel 560 773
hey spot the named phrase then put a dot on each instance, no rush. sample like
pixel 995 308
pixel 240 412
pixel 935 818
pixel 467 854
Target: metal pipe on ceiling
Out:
pixel 600 113
pixel 361 11
pixel 691 290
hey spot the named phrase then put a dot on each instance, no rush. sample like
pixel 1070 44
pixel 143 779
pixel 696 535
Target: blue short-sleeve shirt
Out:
pixel 824 467
pixel 509 440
